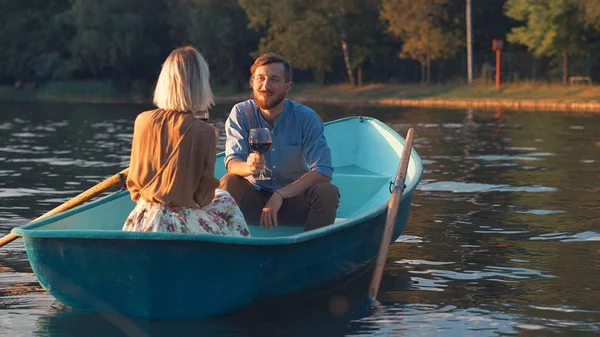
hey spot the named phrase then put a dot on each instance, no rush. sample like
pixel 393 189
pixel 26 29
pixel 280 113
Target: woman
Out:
pixel 171 175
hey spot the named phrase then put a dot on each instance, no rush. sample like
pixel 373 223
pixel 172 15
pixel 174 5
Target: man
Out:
pixel 299 191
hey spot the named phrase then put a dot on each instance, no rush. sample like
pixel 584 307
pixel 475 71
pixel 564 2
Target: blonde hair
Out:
pixel 183 83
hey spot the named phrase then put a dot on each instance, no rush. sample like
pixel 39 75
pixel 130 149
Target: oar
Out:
pixel 390 221
pixel 76 201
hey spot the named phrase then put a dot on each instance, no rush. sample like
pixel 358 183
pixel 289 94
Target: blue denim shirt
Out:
pixel 299 144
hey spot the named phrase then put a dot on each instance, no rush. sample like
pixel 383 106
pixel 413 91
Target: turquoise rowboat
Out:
pixel 83 259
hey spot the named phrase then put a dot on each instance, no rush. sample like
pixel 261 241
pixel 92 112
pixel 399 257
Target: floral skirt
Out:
pixel 222 217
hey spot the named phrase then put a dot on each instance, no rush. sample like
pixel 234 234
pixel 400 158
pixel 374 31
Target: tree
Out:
pixel 362 34
pixel 33 38
pixel 312 33
pixel 219 28
pixel 591 9
pixel 114 38
pixel 557 27
pixel 421 24
pixel 294 29
pixel 489 22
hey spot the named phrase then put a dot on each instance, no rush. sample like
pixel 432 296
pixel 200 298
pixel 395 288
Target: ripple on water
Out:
pixel 21 192
pixel 6 126
pixel 21 149
pixel 28 135
pixel 431 320
pixel 520 148
pixel 423 262
pixel 503 158
pixel 562 308
pixel 409 239
pixel 63 162
pixel 460 187
pixel 565 237
pixel 490 273
pixel 541 211
pixel 500 231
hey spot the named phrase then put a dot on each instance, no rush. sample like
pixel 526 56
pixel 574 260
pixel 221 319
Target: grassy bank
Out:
pixel 453 91
pixel 481 95
pixel 519 96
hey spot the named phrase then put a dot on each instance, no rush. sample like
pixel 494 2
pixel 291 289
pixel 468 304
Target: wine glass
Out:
pixel 260 142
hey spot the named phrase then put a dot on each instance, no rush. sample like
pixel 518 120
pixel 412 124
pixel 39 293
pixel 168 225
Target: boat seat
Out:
pixel 358 192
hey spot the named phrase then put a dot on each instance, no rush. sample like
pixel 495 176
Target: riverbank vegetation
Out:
pixel 140 92
pixel 113 49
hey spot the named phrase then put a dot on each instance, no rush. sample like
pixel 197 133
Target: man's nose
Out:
pixel 266 84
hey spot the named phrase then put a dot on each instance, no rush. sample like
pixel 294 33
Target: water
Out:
pixel 503 237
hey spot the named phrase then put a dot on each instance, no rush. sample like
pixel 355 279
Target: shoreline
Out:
pixel 516 97
pixel 451 103
pixel 478 103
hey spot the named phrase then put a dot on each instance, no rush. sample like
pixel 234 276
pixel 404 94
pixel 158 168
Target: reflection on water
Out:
pixel 503 236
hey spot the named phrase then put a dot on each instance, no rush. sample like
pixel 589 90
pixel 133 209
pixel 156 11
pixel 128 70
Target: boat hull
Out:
pixel 187 279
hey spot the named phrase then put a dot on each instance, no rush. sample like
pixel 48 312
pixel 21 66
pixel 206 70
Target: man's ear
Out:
pixel 251 82
pixel 288 87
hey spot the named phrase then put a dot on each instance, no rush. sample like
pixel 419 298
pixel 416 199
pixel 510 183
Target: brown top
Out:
pixel 187 179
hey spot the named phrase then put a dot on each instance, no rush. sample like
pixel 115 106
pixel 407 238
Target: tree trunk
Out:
pixel 319 76
pixel 359 76
pixel 347 61
pixel 422 73
pixel 565 67
pixel 122 79
pixel 428 71
pixel 239 81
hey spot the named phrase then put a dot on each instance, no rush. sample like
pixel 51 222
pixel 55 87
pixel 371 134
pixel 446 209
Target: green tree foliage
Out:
pixel 361 29
pixel 219 28
pixel 489 22
pixel 556 27
pixel 297 29
pixel 591 9
pixel 312 33
pixel 422 25
pixel 126 40
pixel 33 38
pixel 115 37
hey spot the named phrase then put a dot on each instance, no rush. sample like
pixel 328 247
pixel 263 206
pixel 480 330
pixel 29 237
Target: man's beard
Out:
pixel 264 104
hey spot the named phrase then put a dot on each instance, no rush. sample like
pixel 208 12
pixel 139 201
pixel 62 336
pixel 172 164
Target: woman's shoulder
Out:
pixel 204 132
pixel 144 117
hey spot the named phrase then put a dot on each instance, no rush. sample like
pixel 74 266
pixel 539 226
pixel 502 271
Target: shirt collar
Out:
pixel 286 107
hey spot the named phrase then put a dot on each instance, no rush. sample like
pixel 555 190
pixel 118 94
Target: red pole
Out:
pixel 498 69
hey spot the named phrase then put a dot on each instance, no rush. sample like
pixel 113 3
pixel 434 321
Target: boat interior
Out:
pixel 365 155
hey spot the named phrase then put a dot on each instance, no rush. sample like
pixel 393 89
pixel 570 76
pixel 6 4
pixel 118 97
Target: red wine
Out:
pixel 260 147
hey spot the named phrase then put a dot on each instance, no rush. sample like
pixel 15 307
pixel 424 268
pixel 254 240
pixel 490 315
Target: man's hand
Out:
pixel 255 162
pixel 268 218
pixel 253 165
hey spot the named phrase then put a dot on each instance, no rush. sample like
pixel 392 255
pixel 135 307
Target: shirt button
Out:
pixel 273 150
pixel 274 166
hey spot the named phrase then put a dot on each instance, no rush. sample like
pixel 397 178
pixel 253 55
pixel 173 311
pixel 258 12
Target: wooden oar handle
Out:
pixel 8 239
pixel 392 213
pixel 86 195
pixel 77 200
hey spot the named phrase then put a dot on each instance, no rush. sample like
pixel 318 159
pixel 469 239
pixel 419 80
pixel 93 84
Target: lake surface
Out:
pixel 503 236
